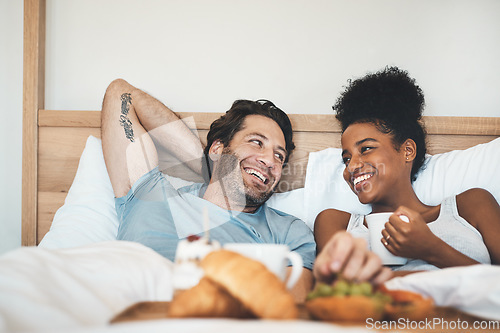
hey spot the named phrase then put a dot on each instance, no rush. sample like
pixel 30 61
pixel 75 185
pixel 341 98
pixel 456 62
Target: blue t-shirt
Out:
pixel 157 215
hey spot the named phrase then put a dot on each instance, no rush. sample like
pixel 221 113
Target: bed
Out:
pixel 81 277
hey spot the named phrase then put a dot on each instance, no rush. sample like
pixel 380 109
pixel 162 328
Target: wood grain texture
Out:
pixel 446 315
pixel 438 144
pixel 50 162
pixel 59 153
pixel 33 100
pixel 489 126
pixel 463 125
pixel 62 136
pixel 48 203
pixel 52 118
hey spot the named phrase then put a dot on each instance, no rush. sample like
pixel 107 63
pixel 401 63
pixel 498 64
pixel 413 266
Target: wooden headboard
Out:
pixel 53 140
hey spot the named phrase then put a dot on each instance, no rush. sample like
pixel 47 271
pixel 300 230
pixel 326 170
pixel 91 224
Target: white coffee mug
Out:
pixel 376 223
pixel 274 256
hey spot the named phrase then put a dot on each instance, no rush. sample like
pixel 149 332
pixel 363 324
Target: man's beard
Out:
pixel 228 173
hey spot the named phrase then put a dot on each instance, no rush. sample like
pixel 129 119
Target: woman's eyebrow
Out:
pixel 360 142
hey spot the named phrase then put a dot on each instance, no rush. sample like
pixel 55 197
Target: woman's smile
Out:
pixel 373 165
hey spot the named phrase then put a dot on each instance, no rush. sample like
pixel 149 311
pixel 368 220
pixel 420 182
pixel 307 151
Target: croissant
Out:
pixel 251 283
pixel 207 299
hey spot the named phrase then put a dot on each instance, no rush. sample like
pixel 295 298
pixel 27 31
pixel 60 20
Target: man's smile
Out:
pixel 257 174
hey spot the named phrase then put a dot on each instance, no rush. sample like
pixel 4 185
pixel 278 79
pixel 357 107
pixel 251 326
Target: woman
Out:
pixel 383 148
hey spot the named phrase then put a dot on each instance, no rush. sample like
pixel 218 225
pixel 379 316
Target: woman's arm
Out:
pixel 482 211
pixel 340 253
pixel 327 223
pixel 415 240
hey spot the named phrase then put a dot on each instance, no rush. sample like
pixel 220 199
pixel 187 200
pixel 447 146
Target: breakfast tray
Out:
pixel 159 310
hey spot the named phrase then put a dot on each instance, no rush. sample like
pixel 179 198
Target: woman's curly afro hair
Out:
pixel 392 101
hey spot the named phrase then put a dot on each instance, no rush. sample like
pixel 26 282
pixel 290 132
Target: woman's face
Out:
pixel 374 168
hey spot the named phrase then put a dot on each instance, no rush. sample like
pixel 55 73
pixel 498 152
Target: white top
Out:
pixel 449 226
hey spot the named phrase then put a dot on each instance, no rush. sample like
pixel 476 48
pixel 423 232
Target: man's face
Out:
pixel 253 161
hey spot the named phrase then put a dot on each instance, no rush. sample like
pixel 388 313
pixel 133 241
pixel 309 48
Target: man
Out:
pixel 246 151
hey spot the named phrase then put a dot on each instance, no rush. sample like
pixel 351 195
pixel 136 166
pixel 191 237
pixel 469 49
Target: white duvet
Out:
pixel 81 289
pixel 84 286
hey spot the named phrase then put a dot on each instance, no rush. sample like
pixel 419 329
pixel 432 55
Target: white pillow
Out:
pixel 88 214
pixel 456 171
pixel 443 175
pixel 291 202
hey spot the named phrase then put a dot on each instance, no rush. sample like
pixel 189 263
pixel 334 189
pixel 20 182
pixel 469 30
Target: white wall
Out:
pixel 200 55
pixel 11 98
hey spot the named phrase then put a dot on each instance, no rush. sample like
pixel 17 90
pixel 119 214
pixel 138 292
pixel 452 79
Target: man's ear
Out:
pixel 215 150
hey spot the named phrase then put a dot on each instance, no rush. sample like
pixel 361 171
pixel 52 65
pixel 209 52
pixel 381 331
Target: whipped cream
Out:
pixel 187 271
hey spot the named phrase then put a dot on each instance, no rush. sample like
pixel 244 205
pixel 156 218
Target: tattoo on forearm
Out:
pixel 124 121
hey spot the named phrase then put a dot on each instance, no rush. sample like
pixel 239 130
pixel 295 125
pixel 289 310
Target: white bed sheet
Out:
pixel 58 287
pixel 83 286
pixel 81 289
pixel 216 326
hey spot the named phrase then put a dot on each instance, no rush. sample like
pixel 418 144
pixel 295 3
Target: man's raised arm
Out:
pixel 133 122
